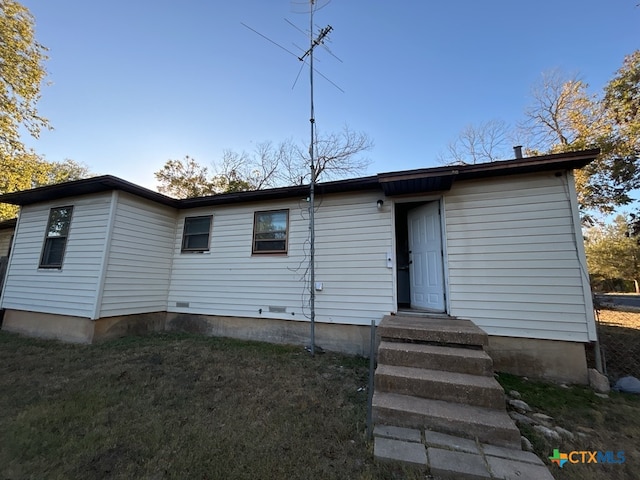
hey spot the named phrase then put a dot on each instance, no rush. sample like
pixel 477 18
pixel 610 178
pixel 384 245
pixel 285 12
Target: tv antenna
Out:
pixel 314 41
pixel 302 58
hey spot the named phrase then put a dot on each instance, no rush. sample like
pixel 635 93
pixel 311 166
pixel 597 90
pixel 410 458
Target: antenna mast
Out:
pixel 313 43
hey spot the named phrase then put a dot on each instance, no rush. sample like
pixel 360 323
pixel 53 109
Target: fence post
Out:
pixel 372 361
pixel 598 358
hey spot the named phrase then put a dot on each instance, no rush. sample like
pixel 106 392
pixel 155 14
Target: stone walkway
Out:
pixel 449 457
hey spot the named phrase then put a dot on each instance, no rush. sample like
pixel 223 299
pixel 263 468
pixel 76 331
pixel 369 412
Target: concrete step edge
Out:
pixel 440 385
pixel 488 425
pixel 425 348
pixel 436 357
pixel 434 333
pixel 440 376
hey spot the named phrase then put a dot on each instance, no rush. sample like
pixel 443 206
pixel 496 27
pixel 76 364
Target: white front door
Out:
pixel 425 257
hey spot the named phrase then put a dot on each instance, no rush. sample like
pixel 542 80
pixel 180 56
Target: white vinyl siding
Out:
pixel 352 238
pixel 70 290
pixel 513 262
pixel 138 265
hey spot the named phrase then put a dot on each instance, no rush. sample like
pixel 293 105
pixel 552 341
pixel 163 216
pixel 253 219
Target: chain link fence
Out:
pixel 619 335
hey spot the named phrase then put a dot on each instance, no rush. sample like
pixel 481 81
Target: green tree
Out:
pixel 237 172
pixel 21 74
pixel 622 104
pixel 612 253
pixel 184 179
pixel 25 170
pixel 563 117
pixel 622 101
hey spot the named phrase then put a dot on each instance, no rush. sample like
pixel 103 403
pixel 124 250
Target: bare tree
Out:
pixel 562 115
pixel 243 171
pixel 336 156
pixel 486 142
pixel 269 165
pixel 292 169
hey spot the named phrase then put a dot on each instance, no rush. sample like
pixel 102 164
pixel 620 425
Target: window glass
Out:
pixel 270 231
pixel 59 219
pixel 55 240
pixel 196 232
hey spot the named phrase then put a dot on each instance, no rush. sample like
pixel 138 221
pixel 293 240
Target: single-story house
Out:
pixel 497 243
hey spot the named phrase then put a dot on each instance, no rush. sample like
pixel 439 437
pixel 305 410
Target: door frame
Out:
pixel 417 201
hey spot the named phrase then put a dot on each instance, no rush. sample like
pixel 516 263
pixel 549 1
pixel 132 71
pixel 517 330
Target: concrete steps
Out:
pixel 435 357
pixel 426 329
pixel 488 425
pixel 433 373
pixel 440 385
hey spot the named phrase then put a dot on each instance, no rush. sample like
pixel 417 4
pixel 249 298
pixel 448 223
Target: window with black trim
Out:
pixel 195 235
pixel 270 230
pixel 55 238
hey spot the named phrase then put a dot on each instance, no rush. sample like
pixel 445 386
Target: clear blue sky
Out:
pixel 137 82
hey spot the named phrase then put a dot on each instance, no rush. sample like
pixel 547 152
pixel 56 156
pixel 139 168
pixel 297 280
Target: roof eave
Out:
pixel 392 183
pixel 546 163
pixel 104 183
pixel 442 178
pixel 339 186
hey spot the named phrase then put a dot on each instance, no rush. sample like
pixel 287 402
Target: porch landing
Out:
pixel 432 328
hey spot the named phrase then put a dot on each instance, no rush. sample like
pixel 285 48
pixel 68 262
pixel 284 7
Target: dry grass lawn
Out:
pixel 171 406
pixel 175 406
pixel 619 318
